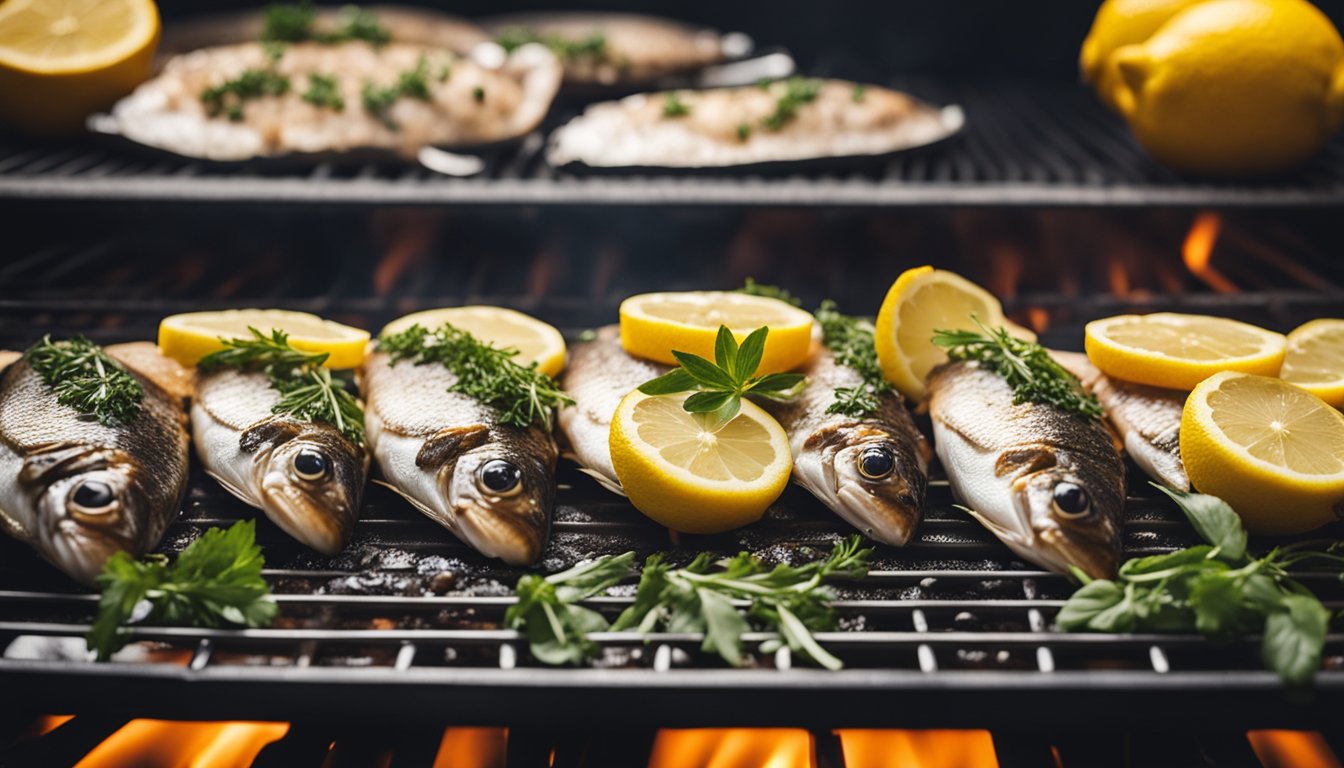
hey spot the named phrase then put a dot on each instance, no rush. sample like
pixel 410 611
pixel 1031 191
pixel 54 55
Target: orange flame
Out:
pixel 169 744
pixel 1198 252
pixel 918 749
pixel 1292 749
pixel 472 748
pixel 732 748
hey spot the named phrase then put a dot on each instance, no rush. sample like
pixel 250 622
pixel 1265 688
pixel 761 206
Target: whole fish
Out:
pixel 1147 418
pixel 491 484
pixel 599 374
pixel 1049 483
pixel 305 475
pixel 79 491
pixel 872 471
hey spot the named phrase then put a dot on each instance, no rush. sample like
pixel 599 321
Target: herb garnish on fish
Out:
pixel 412 83
pixel 850 339
pixel 324 91
pixel 1026 366
pixel 228 97
pixel 673 106
pixel 1216 589
pixel 84 377
pixel 719 386
pixel 309 391
pixel 295 23
pixel 215 581
pixel 790 600
pixel 521 394
pixel 797 92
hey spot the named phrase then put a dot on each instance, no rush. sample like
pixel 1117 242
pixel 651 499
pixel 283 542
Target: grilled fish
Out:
pixel 306 476
pixel 870 471
pixel 599 374
pixel 1147 418
pixel 491 484
pixel 78 491
pixel 1049 484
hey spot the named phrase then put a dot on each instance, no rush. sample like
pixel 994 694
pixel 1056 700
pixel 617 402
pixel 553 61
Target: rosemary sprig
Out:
pixel 308 391
pixel 850 339
pixel 1026 366
pixel 412 83
pixel 520 393
pixel 84 377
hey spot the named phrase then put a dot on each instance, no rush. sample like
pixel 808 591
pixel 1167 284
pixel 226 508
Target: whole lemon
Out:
pixel 1119 23
pixel 1235 87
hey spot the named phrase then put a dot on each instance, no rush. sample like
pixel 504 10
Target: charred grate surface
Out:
pixel 1026 144
pixel 950 630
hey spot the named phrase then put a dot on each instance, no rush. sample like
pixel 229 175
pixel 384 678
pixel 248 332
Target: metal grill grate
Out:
pixel 1027 144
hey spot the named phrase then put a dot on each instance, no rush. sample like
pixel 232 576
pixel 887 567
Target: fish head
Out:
pixel 309 478
pixel 871 476
pixel 91 503
pixel 1069 518
pixel 497 489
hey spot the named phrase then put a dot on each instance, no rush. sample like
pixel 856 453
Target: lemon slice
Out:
pixel 535 341
pixel 1315 360
pixel 1179 351
pixel 1272 450
pixel 921 301
pixel 654 324
pixel 188 337
pixel 685 473
pixel 62 59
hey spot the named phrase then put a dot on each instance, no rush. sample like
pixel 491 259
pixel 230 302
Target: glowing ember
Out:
pixel 1198 252
pixel 733 748
pixel 168 744
pixel 1292 749
pixel 918 749
pixel 472 748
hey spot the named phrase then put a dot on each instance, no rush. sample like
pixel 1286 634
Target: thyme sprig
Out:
pixel 521 394
pixel 86 378
pixel 308 390
pixel 850 339
pixel 797 92
pixel 673 106
pixel 324 91
pixel 1026 366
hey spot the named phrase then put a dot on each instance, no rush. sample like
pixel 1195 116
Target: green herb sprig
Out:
pixel 86 378
pixel 720 386
pixel 592 46
pixel 412 83
pixel 1026 366
pixel 228 97
pixel 308 390
pixel 216 581
pixel 673 106
pixel 850 339
pixel 1216 589
pixel 797 92
pixel 521 394
pixel 753 288
pixel 297 22
pixel 548 613
pixel 324 91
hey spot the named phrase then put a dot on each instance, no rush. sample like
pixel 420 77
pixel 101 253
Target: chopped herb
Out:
pixel 521 394
pixel 309 391
pixel 673 106
pixel 274 50
pixel 797 92
pixel 859 91
pixel 743 131
pixel 296 23
pixel 86 378
pixel 1026 366
pixel 216 581
pixel 324 91
pixel 764 83
pixel 753 288
pixel 720 386
pixel 850 339
pixel 412 83
pixel 288 22
pixel 445 71
pixel 592 46
pixel 228 98
pixel 478 93
pixel 548 613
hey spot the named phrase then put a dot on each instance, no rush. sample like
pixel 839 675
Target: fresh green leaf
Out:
pixel 850 340
pixel 1294 637
pixel 670 383
pixel 86 378
pixel 724 626
pixel 775 382
pixel 1142 566
pixel 1213 519
pixel 749 355
pixel 1092 599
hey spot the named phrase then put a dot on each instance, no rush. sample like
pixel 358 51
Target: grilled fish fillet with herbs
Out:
pixel 305 475
pixel 79 491
pixel 491 484
pixel 872 471
pixel 1147 418
pixel 1049 483
pixel 236 102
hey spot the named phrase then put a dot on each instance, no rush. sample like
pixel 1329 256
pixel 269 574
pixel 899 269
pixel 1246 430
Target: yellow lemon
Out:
pixel 655 324
pixel 691 474
pixel 1315 360
pixel 505 328
pixel 1273 451
pixel 188 337
pixel 1119 23
pixel 1178 351
pixel 1235 87
pixel 60 60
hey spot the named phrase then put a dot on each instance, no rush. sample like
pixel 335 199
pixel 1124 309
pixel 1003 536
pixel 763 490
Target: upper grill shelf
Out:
pixel 1025 144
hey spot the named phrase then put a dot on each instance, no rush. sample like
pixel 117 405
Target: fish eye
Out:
pixel 500 478
pixel 876 463
pixel 93 497
pixel 1071 500
pixel 310 464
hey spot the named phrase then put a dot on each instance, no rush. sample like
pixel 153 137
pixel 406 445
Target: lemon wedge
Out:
pixel 188 337
pixel 1315 360
pixel 654 324
pixel 693 475
pixel 63 59
pixel 1177 351
pixel 1272 450
pixel 536 342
